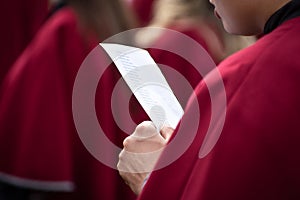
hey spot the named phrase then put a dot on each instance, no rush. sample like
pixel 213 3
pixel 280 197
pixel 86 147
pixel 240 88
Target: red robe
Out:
pixel 176 62
pixel 39 145
pixel 20 20
pixel 143 10
pixel 257 153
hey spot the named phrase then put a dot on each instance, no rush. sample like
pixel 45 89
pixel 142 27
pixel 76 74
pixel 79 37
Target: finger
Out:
pixel 166 132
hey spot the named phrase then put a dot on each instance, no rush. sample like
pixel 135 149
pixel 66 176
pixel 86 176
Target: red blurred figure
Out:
pixel 20 20
pixel 41 152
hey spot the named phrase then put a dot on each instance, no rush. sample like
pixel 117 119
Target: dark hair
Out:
pixel 105 17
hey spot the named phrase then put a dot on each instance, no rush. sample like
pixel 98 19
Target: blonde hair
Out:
pixel 167 11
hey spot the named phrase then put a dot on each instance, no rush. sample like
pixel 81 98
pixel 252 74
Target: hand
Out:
pixel 141 152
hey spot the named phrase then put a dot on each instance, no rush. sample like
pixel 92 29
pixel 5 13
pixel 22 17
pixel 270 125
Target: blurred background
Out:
pixel 43 44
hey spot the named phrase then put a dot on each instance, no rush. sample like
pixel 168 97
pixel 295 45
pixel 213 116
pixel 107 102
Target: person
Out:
pixel 188 19
pixel 194 19
pixel 42 156
pixel 252 151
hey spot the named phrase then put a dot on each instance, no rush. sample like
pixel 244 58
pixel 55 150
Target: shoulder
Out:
pixel 61 21
pixel 271 65
pixel 278 49
pixel 60 32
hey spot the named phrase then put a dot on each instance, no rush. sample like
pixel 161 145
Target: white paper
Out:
pixel 147 83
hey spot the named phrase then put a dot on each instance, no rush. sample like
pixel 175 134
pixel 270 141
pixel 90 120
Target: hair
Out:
pixel 104 17
pixel 167 11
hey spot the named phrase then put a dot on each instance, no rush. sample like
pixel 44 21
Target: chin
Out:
pixel 231 30
pixel 244 32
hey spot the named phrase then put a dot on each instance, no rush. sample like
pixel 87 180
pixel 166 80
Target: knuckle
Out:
pixel 127 142
pixel 121 155
pixel 118 166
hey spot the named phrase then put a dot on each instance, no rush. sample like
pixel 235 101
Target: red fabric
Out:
pixel 257 154
pixel 162 55
pixel 38 139
pixel 20 20
pixel 143 10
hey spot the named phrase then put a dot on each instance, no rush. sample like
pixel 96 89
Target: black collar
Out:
pixel 289 11
pixel 56 7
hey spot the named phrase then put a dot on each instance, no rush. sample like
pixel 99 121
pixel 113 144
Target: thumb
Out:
pixel 166 132
pixel 145 130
